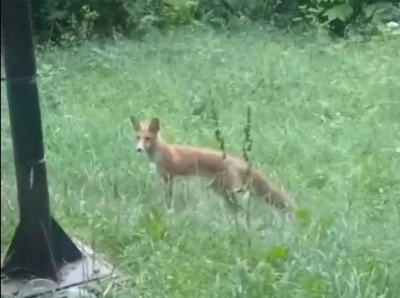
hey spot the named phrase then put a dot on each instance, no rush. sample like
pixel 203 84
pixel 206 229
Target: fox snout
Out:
pixel 140 147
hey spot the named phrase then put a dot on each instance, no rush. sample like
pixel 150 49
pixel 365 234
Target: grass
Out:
pixel 325 126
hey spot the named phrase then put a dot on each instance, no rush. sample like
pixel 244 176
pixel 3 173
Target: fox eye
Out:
pixel 137 137
pixel 147 139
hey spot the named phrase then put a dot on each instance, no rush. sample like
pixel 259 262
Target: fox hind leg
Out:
pixel 224 184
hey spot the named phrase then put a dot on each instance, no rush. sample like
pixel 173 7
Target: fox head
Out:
pixel 146 134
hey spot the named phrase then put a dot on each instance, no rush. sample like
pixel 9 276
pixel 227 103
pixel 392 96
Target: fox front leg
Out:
pixel 168 192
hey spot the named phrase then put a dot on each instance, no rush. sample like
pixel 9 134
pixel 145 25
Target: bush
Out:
pixel 69 21
pixel 340 15
pixel 74 20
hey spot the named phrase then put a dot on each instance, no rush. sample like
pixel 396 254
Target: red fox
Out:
pixel 228 175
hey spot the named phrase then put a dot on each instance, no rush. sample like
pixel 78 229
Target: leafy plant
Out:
pixel 178 12
pixel 72 21
pixel 339 15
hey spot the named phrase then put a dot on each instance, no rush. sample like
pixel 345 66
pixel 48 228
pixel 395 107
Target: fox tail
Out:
pixel 266 190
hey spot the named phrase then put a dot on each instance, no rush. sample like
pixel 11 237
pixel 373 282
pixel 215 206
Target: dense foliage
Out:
pixel 73 20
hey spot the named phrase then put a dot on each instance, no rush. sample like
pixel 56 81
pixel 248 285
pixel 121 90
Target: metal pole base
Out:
pixel 89 270
pixel 27 257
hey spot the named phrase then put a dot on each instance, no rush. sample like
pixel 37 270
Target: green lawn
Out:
pixel 325 126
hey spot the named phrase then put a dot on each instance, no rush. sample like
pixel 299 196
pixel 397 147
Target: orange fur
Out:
pixel 227 175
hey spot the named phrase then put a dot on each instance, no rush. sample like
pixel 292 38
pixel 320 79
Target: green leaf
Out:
pixel 303 215
pixel 369 11
pixel 277 253
pixel 341 12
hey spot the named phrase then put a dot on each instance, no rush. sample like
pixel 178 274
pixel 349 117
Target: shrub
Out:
pixel 339 15
pixel 68 20
pixel 76 20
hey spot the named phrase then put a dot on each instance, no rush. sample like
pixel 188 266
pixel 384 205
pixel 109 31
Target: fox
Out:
pixel 227 175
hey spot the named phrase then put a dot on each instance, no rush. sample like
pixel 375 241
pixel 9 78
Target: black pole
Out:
pixel 39 247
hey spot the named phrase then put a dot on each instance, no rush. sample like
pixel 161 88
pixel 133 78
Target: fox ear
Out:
pixel 136 125
pixel 154 125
